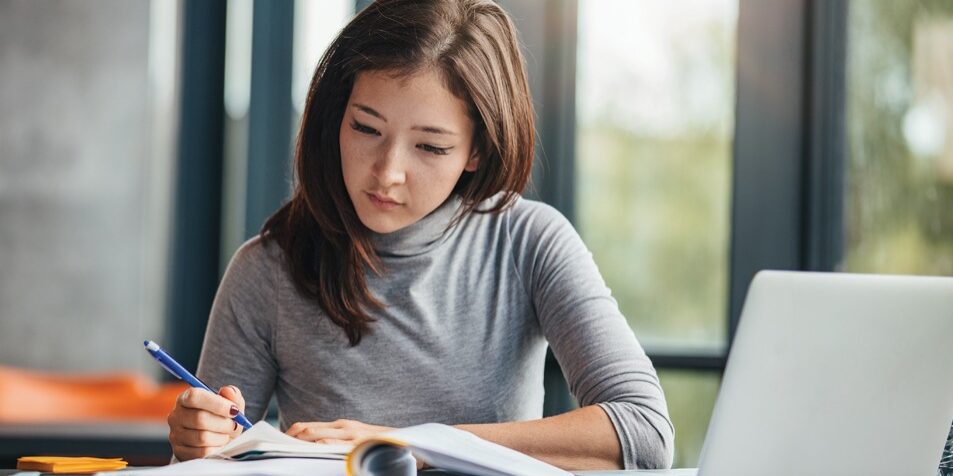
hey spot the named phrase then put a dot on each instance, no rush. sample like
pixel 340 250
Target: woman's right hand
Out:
pixel 201 422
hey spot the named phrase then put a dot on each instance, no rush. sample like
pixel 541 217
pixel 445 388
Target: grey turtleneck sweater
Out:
pixel 462 336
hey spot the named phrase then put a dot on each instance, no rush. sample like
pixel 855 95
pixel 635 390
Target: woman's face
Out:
pixel 404 144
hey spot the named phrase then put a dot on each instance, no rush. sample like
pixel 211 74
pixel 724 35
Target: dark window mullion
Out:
pixel 557 129
pixel 270 111
pixel 684 361
pixel 193 273
pixel 824 214
pixel 769 146
pixel 787 210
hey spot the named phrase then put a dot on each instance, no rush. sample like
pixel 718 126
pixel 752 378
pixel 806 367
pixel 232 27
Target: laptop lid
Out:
pixel 836 374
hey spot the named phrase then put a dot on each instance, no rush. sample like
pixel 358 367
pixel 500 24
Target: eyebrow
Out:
pixel 430 129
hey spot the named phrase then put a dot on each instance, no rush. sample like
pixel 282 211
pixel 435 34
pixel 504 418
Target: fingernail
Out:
pixel 233 411
pixel 235 389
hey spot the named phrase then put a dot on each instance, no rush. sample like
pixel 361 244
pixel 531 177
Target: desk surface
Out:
pixel 647 472
pixel 142 444
pixel 668 472
pixel 84 431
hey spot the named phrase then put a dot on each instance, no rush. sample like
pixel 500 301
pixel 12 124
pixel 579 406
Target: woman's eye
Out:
pixel 357 126
pixel 434 150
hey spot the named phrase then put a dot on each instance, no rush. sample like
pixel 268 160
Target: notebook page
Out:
pixel 266 439
pixel 271 467
pixel 446 447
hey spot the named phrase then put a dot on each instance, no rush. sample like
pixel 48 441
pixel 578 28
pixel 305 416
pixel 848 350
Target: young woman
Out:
pixel 407 282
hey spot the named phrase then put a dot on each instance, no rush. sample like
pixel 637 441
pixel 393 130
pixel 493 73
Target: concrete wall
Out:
pixel 84 191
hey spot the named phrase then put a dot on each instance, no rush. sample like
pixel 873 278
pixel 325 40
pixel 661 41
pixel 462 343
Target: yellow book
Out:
pixel 74 465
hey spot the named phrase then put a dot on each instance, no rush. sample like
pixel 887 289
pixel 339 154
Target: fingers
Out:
pixel 198 438
pixel 297 428
pixel 300 427
pixel 318 433
pixel 190 419
pixel 190 443
pixel 232 393
pixel 339 424
pixel 335 442
pixel 201 423
pixel 186 453
pixel 335 432
pixel 199 399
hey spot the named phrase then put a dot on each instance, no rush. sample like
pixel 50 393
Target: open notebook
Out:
pixel 265 441
pixel 448 448
pixel 439 446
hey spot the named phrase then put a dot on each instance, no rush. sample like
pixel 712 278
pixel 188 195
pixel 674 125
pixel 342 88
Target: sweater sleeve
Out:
pixel 603 362
pixel 239 338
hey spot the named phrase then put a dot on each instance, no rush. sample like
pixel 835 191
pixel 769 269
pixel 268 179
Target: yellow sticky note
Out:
pixel 66 464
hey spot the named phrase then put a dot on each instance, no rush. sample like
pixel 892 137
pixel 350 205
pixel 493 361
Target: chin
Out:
pixel 384 229
pixel 382 226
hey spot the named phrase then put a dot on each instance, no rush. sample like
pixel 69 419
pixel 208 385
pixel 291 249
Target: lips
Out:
pixel 383 198
pixel 382 201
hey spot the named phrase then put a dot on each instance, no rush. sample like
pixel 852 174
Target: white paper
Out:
pixel 267 439
pixel 219 467
pixel 453 449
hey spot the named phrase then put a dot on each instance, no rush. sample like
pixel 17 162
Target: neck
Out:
pixel 421 236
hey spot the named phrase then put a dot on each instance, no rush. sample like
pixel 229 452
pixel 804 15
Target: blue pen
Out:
pixel 168 363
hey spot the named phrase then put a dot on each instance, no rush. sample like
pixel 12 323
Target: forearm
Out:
pixel 579 439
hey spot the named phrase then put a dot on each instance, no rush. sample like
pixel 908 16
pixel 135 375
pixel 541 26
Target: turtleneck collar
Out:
pixel 421 236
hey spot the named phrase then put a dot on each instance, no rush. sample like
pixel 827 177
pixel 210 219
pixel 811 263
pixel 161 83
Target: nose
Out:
pixel 388 168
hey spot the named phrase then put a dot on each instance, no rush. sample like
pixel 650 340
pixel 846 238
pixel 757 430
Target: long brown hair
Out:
pixel 473 45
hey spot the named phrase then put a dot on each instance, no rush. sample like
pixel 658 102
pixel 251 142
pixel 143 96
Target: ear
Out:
pixel 473 162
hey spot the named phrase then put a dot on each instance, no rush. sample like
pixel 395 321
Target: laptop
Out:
pixel 836 374
pixel 833 374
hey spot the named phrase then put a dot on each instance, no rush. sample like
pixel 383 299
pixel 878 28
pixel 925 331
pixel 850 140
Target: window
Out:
pixel 315 24
pixel 899 127
pixel 655 109
pixel 690 395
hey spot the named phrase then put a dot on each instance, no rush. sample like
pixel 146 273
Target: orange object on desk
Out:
pixel 28 396
pixel 71 465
